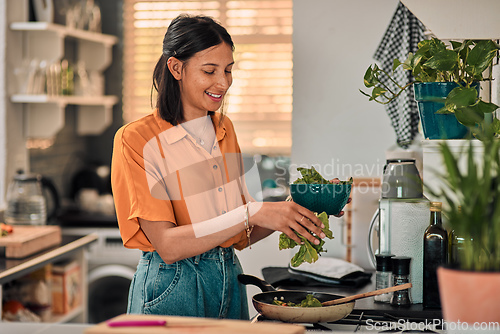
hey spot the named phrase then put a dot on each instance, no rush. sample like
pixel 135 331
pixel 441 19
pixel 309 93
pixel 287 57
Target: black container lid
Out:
pixel 384 262
pixel 401 265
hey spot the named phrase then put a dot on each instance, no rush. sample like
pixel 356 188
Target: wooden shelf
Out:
pixel 62 318
pixel 65 32
pixel 44 115
pixel 108 100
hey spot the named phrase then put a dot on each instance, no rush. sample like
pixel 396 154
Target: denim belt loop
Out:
pixel 147 255
pixel 197 259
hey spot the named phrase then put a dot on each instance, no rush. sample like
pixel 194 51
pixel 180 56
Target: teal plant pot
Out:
pixel 430 97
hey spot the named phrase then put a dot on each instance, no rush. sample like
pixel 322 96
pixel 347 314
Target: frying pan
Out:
pixel 334 307
pixel 263 303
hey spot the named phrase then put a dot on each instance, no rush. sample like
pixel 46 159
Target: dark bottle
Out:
pixel 435 255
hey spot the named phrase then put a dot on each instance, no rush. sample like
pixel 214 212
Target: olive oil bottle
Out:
pixel 435 254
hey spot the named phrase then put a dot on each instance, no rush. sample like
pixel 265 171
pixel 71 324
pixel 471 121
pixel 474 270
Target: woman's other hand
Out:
pixel 287 217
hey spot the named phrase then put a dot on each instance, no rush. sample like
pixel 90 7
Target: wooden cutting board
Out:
pixel 184 325
pixel 27 239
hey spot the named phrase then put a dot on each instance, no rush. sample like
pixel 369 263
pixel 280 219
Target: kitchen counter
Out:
pixel 70 248
pixel 367 305
pixel 42 328
pixel 11 269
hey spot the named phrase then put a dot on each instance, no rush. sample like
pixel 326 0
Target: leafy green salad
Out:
pixel 311 176
pixel 308 251
pixel 309 301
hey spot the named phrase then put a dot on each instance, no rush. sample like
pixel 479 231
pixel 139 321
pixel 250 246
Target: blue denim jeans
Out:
pixel 202 286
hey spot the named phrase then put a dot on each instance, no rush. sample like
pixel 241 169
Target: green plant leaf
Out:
pixel 486 107
pixel 469 116
pixel 310 176
pixel 370 79
pixel 285 242
pixel 451 164
pixel 308 252
pixel 480 57
pixel 445 60
pixel 395 64
pixel 461 97
pixel 324 219
pixel 377 92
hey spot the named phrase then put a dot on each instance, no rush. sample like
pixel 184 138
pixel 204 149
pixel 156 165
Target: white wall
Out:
pixel 333 125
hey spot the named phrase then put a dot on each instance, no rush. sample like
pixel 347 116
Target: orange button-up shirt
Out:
pixel 160 173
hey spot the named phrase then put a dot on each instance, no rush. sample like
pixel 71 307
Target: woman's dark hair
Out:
pixel 185 36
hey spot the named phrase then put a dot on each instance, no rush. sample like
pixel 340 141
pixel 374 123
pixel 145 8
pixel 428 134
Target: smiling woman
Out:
pixel 260 100
pixel 179 185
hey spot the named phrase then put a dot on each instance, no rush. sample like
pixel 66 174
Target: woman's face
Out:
pixel 205 79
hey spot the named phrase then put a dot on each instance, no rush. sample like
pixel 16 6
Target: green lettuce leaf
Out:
pixel 308 252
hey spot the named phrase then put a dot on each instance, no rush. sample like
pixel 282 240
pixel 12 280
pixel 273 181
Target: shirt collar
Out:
pixel 176 133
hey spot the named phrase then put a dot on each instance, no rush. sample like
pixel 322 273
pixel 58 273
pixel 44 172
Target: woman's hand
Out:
pixel 287 217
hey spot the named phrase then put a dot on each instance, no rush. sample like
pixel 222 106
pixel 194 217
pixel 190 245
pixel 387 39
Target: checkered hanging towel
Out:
pixel 402 36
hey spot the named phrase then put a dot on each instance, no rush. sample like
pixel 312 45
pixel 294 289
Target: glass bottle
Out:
pixel 383 276
pixel 401 275
pixel 435 255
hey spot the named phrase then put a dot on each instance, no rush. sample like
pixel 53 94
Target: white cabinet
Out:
pixel 44 113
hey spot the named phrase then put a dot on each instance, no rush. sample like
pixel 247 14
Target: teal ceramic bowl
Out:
pixel 330 198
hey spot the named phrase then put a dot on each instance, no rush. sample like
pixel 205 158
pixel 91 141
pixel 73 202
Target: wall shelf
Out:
pixel 109 100
pixel 44 114
pixel 64 31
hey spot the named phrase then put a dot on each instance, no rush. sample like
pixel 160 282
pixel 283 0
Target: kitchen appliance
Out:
pixel 401 219
pixel 28 199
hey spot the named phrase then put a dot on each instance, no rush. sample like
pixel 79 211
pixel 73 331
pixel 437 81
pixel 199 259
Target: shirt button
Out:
pixel 220 189
pixel 223 211
pixel 215 147
pixel 215 166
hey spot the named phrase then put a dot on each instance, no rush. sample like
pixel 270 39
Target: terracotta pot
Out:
pixel 468 296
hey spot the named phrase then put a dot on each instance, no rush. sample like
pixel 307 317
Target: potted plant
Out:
pixel 446 84
pixel 470 190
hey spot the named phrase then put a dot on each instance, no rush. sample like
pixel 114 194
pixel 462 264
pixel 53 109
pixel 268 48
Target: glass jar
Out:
pixel 401 275
pixel 25 201
pixel 383 276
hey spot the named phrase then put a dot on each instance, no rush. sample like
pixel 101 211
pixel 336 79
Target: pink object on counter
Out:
pixel 136 323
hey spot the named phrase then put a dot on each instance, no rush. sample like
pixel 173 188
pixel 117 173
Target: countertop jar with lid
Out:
pixel 401 275
pixel 383 276
pixel 25 201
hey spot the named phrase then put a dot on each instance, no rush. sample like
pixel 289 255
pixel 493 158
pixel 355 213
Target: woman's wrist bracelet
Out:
pixel 247 225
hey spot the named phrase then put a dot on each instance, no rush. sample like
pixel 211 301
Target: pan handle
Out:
pixel 254 280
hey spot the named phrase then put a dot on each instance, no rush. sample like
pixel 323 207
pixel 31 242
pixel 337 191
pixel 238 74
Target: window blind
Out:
pixel 260 100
